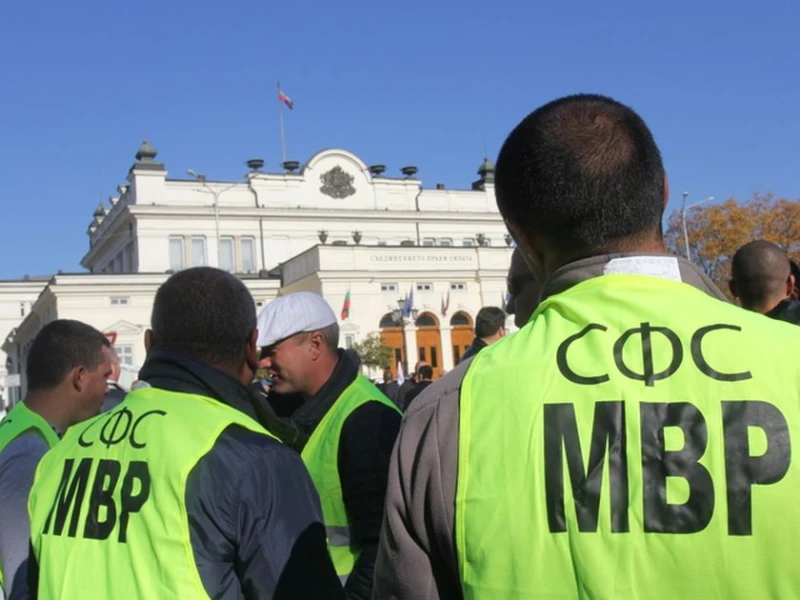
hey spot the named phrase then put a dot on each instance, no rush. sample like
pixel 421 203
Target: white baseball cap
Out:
pixel 292 314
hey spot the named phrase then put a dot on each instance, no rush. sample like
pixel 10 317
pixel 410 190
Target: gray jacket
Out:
pixel 417 556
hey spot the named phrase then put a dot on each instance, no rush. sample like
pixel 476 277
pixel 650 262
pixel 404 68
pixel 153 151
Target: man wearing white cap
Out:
pixel 347 428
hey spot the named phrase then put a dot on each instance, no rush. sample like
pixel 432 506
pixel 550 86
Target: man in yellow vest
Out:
pixel 634 439
pixel 179 492
pixel 344 430
pixel 66 371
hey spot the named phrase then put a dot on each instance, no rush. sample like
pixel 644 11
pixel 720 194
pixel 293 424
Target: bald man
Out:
pixel 763 282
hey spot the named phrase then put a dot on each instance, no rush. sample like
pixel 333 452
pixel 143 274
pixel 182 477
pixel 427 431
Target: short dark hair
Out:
pixel 759 270
pixel 488 320
pixel 582 172
pixel 205 314
pixel 426 372
pixel 58 348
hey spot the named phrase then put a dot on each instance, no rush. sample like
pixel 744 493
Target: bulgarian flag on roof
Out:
pixel 346 307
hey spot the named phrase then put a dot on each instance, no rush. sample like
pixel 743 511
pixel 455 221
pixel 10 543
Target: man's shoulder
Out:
pixel 28 448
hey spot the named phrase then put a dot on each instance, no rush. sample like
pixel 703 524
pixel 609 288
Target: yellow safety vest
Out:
pixel 108 513
pixel 18 421
pixel 321 454
pixel 633 441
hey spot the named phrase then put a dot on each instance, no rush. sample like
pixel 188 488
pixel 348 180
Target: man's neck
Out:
pixel 50 406
pixel 490 340
pixel 765 307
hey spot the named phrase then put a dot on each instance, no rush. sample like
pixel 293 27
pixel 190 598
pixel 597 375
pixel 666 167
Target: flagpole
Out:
pixel 280 123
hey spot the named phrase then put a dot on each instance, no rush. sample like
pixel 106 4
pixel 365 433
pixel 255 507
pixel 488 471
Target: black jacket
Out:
pixel 787 310
pixel 254 515
pixel 477 345
pixel 365 447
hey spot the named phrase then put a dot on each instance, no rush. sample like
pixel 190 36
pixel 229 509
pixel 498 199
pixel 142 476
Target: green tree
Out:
pixel 716 231
pixel 372 351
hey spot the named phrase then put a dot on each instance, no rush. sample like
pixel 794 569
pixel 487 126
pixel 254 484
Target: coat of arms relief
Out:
pixel 337 183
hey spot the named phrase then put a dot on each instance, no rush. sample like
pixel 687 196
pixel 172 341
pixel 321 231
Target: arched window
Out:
pixel 460 318
pixel 426 320
pixel 387 321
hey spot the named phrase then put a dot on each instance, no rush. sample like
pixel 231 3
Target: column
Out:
pixel 447 347
pixel 412 355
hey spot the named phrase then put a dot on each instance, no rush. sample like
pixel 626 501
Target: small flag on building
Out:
pixel 445 304
pixel 408 307
pixel 285 99
pixel 346 306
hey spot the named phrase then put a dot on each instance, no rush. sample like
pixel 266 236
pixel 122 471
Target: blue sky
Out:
pixel 423 83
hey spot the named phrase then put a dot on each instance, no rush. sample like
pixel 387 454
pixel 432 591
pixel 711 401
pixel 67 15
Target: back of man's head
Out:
pixel 387 376
pixel 760 273
pixel 489 321
pixel 205 314
pixel 60 347
pixel 425 372
pixel 582 174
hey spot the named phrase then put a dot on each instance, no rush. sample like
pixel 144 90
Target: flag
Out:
pixel 445 304
pixel 505 298
pixel 409 305
pixel 400 378
pixel 346 306
pixel 285 99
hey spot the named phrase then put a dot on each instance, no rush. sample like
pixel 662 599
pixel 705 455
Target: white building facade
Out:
pixel 331 225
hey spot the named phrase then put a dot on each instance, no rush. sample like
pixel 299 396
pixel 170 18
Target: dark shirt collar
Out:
pixel 308 416
pixel 787 310
pixel 576 272
pixel 174 372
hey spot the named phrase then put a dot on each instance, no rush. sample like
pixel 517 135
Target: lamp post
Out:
pixel 397 317
pixel 684 208
pixel 215 194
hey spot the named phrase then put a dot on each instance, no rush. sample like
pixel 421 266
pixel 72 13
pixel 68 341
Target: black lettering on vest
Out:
pixel 702 364
pixel 71 491
pixel 563 364
pixel 742 470
pixel 608 430
pixel 101 497
pixel 648 374
pixel 658 464
pixel 138 476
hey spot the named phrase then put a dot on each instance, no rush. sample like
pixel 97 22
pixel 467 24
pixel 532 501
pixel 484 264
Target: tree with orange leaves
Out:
pixel 717 231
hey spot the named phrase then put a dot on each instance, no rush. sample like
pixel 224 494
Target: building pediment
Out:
pixel 123 327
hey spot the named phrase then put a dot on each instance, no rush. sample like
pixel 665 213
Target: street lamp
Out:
pixel 201 178
pixel 397 317
pixel 684 208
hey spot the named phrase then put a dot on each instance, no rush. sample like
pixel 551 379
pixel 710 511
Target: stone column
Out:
pixel 447 347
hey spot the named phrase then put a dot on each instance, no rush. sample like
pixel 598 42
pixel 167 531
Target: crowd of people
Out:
pixel 604 450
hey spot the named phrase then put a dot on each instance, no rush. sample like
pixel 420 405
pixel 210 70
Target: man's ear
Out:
pixel 666 192
pixel 78 378
pixel 252 351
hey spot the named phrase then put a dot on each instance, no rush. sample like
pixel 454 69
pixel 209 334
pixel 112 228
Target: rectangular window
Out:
pixel 428 242
pixel 175 253
pixel 125 355
pixel 198 251
pixel 248 254
pixel 120 300
pixel 456 354
pixel 434 357
pixel 227 261
pixel 458 286
pixel 424 287
pixel 349 340
pixel 467 242
pixel 398 355
pixel 446 242
pixel 389 288
pixel 422 354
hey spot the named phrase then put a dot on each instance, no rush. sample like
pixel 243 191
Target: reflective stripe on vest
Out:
pixel 109 499
pixel 20 420
pixel 321 455
pixel 633 441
